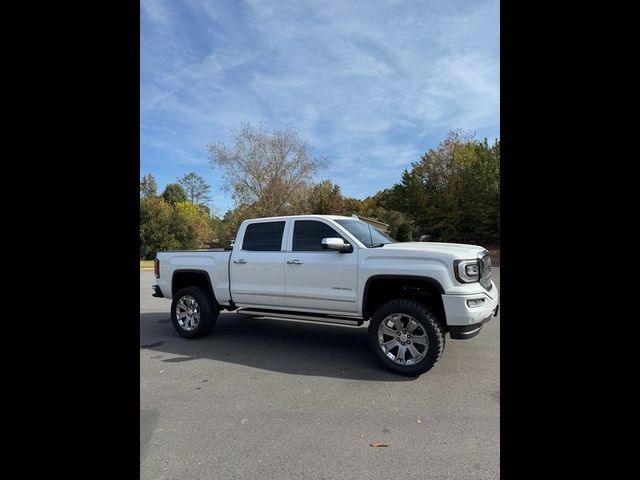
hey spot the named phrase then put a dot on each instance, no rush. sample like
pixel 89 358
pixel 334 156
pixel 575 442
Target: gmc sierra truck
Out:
pixel 336 270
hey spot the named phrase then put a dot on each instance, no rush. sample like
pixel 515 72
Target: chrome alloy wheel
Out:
pixel 403 339
pixel 188 313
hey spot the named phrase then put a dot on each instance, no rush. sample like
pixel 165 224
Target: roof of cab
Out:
pixel 332 217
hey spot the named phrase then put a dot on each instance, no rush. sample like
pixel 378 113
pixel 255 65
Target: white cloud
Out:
pixel 367 86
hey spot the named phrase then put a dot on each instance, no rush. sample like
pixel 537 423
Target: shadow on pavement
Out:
pixel 276 345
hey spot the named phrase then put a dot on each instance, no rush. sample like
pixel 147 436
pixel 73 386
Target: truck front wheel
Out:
pixel 192 312
pixel 406 336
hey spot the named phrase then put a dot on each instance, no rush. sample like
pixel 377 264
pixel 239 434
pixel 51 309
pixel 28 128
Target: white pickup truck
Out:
pixel 336 270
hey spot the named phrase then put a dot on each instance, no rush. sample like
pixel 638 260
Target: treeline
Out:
pixel 178 218
pixel 451 194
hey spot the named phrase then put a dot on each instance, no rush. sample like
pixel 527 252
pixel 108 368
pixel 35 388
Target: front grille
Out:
pixel 485 271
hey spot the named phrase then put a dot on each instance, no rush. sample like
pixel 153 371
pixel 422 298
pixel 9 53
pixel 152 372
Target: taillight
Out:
pixel 156 267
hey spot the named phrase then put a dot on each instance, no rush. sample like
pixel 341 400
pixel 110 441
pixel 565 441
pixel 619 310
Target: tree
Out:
pixel 351 206
pixel 171 227
pixel 228 227
pixel 155 227
pixel 196 188
pixel 325 198
pixel 265 170
pixel 453 193
pixel 391 217
pixel 174 193
pixel 148 186
pixel 205 209
pixel 190 226
pixel 404 232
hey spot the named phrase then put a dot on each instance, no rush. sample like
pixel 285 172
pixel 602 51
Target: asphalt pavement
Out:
pixel 270 399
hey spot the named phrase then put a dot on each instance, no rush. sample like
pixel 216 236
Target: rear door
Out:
pixel 317 279
pixel 257 266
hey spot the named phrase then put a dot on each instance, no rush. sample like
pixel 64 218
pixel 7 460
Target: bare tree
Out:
pixel 265 170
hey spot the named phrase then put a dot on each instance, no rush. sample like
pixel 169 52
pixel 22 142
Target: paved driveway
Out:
pixel 267 399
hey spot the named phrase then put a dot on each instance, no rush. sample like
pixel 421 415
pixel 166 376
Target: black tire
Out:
pixel 427 323
pixel 206 309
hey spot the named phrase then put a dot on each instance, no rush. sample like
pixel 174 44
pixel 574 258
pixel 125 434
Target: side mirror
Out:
pixel 335 244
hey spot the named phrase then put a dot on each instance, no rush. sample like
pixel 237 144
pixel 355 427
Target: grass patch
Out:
pixel 146 263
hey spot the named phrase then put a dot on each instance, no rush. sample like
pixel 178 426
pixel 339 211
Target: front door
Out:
pixel 316 279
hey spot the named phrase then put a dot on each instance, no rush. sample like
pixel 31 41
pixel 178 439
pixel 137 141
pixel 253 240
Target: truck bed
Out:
pixel 215 262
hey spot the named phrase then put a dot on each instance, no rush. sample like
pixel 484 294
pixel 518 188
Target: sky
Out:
pixel 371 85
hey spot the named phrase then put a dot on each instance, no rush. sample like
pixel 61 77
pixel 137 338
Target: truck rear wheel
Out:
pixel 406 336
pixel 192 312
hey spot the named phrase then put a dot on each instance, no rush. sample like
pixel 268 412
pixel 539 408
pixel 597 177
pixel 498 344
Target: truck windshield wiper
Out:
pixel 376 245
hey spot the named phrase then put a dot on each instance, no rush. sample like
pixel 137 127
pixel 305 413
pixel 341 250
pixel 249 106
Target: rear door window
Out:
pixel 263 237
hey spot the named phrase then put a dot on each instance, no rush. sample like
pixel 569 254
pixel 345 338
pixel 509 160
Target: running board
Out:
pixel 308 317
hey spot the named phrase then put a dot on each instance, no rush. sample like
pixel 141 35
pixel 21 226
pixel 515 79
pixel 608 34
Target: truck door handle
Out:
pixel 240 260
pixel 294 262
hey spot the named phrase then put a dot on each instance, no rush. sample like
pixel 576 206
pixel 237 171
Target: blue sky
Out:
pixel 370 84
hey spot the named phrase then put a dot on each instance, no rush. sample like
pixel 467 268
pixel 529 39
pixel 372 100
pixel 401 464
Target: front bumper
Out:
pixel 464 321
pixel 469 331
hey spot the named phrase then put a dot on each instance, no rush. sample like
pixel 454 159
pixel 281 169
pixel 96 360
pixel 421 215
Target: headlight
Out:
pixel 466 271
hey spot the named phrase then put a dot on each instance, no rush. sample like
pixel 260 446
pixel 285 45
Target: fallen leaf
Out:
pixel 378 444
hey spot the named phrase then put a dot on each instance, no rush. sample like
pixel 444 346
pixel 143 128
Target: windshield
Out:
pixel 368 235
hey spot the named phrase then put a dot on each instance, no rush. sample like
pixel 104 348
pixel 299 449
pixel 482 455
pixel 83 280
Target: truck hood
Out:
pixel 458 250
